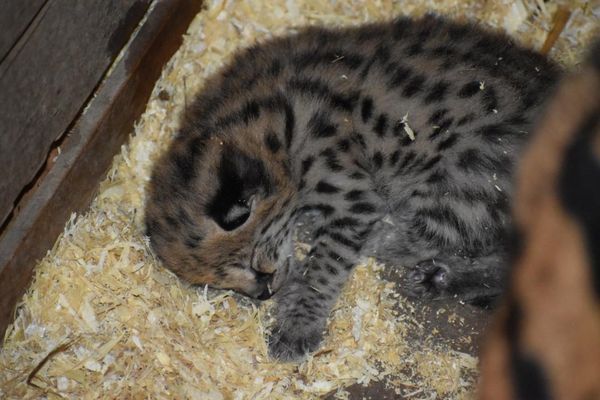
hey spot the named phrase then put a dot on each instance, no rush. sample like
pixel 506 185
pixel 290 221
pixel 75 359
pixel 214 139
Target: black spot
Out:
pixel 250 112
pixel 414 49
pixel 410 156
pixel 473 160
pixel 437 116
pixel 343 145
pixel 416 163
pixel 362 208
pixel 579 190
pixel 357 175
pixel 366 109
pixel 394 158
pixel 401 27
pixel 357 137
pixel 345 222
pixel 320 126
pixel 529 378
pixel 420 194
pixel 437 92
pixel 290 121
pixel 495 133
pixel 184 166
pixel 272 142
pixel 414 86
pixel 354 195
pixel 327 188
pixel 331 160
pixel 400 75
pixel 239 176
pixel 430 163
pixel 367 67
pixel 443 215
pixel 466 119
pixel 490 100
pixel 331 269
pixel 343 240
pixel 442 127
pixel 153 227
pixel 437 177
pixel 382 54
pixel 266 227
pixel 192 241
pixel 323 281
pixel 381 125
pixel 275 68
pixel 448 142
pixel 306 164
pixel 377 160
pixel 445 52
pixel 469 89
pixel 458 31
pixel 421 228
pixel 321 90
pixel 335 256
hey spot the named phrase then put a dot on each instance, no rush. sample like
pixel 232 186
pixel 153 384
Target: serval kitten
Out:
pixel 401 136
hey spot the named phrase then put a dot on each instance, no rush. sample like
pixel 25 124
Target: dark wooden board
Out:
pixel 49 74
pixel 15 17
pixel 87 152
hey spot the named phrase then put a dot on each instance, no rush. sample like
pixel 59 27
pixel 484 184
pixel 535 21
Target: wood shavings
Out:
pixel 409 132
pixel 136 331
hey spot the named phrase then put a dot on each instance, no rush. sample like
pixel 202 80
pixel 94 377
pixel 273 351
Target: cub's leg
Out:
pixel 312 286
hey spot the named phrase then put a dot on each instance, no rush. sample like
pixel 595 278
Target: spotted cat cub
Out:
pixel 402 137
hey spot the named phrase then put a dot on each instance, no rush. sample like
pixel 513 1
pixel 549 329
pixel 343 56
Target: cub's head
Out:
pixel 216 212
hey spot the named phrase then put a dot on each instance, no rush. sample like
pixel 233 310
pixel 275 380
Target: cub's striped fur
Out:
pixel 401 136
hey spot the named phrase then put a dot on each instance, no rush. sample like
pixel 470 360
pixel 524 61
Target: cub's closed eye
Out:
pixel 241 178
pixel 236 216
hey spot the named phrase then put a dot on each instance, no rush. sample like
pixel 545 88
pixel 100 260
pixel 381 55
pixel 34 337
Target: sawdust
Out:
pixel 102 319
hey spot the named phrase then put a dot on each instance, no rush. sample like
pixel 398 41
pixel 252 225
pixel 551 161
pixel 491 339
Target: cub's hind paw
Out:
pixel 428 279
pixel 294 343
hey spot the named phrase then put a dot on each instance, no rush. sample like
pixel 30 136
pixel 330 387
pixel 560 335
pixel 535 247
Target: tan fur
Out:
pixel 552 281
pixel 219 247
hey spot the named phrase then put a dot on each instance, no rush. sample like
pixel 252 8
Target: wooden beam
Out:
pixel 49 74
pixel 15 17
pixel 87 152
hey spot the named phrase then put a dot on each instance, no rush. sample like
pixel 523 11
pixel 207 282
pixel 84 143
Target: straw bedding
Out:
pixel 103 319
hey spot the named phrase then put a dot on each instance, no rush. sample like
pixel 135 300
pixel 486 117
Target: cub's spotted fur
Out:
pixel 401 136
pixel 545 341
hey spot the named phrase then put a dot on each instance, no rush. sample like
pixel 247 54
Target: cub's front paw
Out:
pixel 294 341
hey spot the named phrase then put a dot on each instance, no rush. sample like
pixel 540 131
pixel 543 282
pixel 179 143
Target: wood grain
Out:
pixel 89 148
pixel 15 17
pixel 48 76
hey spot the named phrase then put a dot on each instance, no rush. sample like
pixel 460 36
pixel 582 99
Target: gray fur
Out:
pixel 328 113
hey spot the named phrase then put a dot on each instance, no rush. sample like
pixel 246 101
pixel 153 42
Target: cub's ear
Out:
pixel 240 179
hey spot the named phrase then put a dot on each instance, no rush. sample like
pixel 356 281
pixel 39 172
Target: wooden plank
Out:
pixel 49 74
pixel 15 17
pixel 89 148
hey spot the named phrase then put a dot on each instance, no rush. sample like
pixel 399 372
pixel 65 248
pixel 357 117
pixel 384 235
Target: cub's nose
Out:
pixel 264 280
